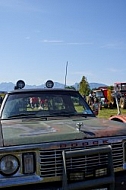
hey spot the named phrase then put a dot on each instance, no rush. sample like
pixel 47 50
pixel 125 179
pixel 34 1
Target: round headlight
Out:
pixel 9 165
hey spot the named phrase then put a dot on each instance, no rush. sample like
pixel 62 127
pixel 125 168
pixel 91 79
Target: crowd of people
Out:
pixel 37 102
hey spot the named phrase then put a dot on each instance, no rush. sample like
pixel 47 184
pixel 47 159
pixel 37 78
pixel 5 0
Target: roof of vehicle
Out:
pixel 120 83
pixel 40 90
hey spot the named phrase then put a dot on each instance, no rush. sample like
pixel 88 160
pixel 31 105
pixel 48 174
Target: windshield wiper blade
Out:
pixel 64 113
pixel 22 115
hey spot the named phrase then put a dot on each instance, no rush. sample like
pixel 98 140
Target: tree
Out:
pixel 70 87
pixel 111 87
pixel 84 87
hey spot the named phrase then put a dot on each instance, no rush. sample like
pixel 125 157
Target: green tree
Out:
pixel 70 87
pixel 84 87
pixel 111 87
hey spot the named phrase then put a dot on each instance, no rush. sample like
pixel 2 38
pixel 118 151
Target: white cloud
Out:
pixel 66 43
pixel 113 45
pixel 52 41
pixel 79 43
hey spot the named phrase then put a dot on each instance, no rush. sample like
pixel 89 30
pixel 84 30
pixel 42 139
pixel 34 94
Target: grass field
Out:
pixel 106 112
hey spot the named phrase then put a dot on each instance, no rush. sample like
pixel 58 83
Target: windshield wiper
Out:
pixel 63 113
pixel 30 116
pixel 22 115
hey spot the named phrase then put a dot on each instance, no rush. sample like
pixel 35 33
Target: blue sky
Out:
pixel 38 38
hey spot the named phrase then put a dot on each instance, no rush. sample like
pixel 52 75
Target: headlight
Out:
pixel 9 165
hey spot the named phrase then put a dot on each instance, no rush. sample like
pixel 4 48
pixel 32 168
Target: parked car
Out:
pixel 119 118
pixel 57 142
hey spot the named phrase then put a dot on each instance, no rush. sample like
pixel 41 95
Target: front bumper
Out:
pixel 120 180
pixel 120 184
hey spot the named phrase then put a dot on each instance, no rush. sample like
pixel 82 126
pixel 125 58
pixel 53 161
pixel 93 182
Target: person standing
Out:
pixel 96 106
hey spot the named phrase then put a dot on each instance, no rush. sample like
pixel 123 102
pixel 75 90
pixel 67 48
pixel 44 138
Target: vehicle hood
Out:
pixel 30 131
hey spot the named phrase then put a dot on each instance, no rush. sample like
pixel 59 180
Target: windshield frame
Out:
pixel 67 94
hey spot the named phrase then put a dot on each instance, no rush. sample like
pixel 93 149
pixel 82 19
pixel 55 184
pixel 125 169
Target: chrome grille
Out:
pixel 51 161
pixel 117 152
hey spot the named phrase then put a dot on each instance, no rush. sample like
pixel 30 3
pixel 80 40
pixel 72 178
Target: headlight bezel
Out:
pixel 7 161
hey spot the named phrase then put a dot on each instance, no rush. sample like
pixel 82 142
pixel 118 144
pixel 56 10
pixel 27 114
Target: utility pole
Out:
pixel 66 73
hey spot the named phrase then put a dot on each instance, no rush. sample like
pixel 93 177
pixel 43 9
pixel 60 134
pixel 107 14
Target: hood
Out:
pixel 31 131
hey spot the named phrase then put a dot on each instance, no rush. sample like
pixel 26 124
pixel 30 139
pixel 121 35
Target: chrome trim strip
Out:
pixel 55 145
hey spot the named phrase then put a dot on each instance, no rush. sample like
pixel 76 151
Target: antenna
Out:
pixel 66 73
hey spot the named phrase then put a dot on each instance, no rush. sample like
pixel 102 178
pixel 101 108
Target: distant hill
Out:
pixel 96 85
pixel 4 86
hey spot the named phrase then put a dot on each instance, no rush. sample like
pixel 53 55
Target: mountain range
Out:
pixel 8 86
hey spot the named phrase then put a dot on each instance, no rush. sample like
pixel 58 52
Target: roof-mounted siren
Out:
pixel 49 84
pixel 19 85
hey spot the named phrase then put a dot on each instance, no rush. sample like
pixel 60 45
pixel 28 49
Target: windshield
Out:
pixel 99 94
pixel 41 104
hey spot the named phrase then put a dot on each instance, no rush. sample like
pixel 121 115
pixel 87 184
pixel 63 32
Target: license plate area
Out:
pixel 76 176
